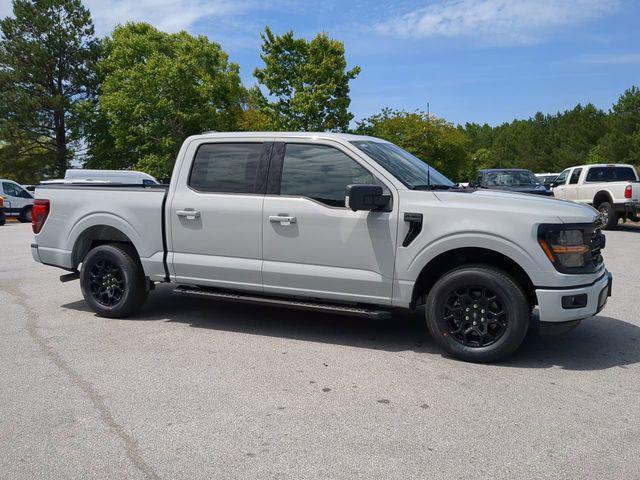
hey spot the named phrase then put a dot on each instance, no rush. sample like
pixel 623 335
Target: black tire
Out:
pixel 25 215
pixel 112 281
pixel 496 335
pixel 3 219
pixel 609 217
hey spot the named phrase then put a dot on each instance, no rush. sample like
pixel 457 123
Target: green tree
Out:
pixel 431 139
pixel 621 143
pixel 47 57
pixel 543 143
pixel 307 82
pixel 156 89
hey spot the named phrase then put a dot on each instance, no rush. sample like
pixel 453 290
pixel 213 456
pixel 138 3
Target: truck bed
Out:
pixel 135 210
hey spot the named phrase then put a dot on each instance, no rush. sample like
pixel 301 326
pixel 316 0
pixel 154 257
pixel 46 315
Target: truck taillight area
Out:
pixel 39 214
pixel 627 191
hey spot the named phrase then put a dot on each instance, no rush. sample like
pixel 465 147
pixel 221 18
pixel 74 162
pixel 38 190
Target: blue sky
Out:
pixel 473 60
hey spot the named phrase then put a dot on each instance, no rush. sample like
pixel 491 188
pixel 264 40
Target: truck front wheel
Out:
pixel 25 215
pixel 477 313
pixel 112 281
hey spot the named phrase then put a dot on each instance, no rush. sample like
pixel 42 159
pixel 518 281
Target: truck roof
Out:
pixel 345 137
pixel 603 165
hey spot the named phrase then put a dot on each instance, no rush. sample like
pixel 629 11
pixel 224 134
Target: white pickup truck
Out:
pixel 612 189
pixel 332 222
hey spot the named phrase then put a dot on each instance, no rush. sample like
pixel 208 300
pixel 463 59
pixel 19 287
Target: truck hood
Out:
pixel 536 206
pixel 536 190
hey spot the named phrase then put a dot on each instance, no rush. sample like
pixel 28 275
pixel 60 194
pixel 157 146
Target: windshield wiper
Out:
pixel 433 187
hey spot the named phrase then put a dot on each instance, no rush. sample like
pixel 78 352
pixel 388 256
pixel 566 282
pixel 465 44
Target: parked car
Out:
pixel 508 179
pixel 546 179
pixel 330 222
pixel 613 189
pixel 2 215
pixel 17 201
pixel 116 176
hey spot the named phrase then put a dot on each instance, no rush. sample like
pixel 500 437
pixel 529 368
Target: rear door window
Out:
pixel 227 168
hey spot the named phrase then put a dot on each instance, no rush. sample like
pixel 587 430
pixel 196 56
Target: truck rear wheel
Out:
pixel 608 216
pixel 477 313
pixel 112 281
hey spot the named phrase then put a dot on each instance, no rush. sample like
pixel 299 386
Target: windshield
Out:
pixel 515 178
pixel 407 168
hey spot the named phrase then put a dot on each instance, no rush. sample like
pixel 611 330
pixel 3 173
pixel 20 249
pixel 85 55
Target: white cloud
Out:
pixel 498 21
pixel 167 15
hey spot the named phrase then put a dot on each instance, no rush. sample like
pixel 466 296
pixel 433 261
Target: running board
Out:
pixel 298 304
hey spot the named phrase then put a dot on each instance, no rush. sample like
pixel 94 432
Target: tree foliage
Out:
pixel 47 65
pixel 548 143
pixel 431 139
pixel 307 82
pixel 157 89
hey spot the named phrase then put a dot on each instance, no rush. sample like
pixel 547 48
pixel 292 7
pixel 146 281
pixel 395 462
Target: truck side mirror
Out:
pixel 366 197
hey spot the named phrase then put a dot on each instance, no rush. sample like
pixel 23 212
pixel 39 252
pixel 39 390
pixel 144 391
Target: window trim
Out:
pixel 274 181
pixel 264 160
pixel 577 169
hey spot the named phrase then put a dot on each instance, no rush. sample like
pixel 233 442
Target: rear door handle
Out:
pixel 190 214
pixel 282 219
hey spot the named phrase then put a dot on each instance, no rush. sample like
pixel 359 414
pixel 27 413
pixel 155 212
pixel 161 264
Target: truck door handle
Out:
pixel 282 219
pixel 190 214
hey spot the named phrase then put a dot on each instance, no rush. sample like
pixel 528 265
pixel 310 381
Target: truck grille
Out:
pixel 596 244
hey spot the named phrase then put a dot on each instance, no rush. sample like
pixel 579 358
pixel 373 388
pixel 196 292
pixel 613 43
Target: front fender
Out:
pixel 471 239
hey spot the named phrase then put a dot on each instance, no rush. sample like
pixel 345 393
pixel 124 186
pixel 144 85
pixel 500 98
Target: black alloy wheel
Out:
pixel 107 283
pixel 475 316
pixel 112 280
pixel 478 313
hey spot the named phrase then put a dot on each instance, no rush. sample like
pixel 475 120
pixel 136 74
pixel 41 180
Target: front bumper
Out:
pixel 550 300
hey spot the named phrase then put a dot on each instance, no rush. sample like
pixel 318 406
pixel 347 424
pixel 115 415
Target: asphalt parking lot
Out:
pixel 195 389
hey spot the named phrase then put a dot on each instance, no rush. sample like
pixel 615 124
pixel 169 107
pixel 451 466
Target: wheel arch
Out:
pixel 446 261
pixel 96 235
pixel 601 197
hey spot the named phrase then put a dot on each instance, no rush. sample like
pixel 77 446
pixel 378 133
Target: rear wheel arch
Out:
pixel 452 259
pixel 601 197
pixel 100 235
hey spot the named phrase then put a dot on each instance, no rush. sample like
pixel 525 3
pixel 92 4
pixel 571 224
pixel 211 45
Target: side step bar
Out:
pixel 298 304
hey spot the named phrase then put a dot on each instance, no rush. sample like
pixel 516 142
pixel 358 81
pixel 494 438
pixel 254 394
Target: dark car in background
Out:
pixel 509 179
pixel 547 179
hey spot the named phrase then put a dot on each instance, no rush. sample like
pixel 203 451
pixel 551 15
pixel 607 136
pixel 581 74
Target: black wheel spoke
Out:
pixel 107 283
pixel 474 316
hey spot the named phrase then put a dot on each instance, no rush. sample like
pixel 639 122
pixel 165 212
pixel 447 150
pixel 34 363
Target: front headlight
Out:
pixel 567 246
